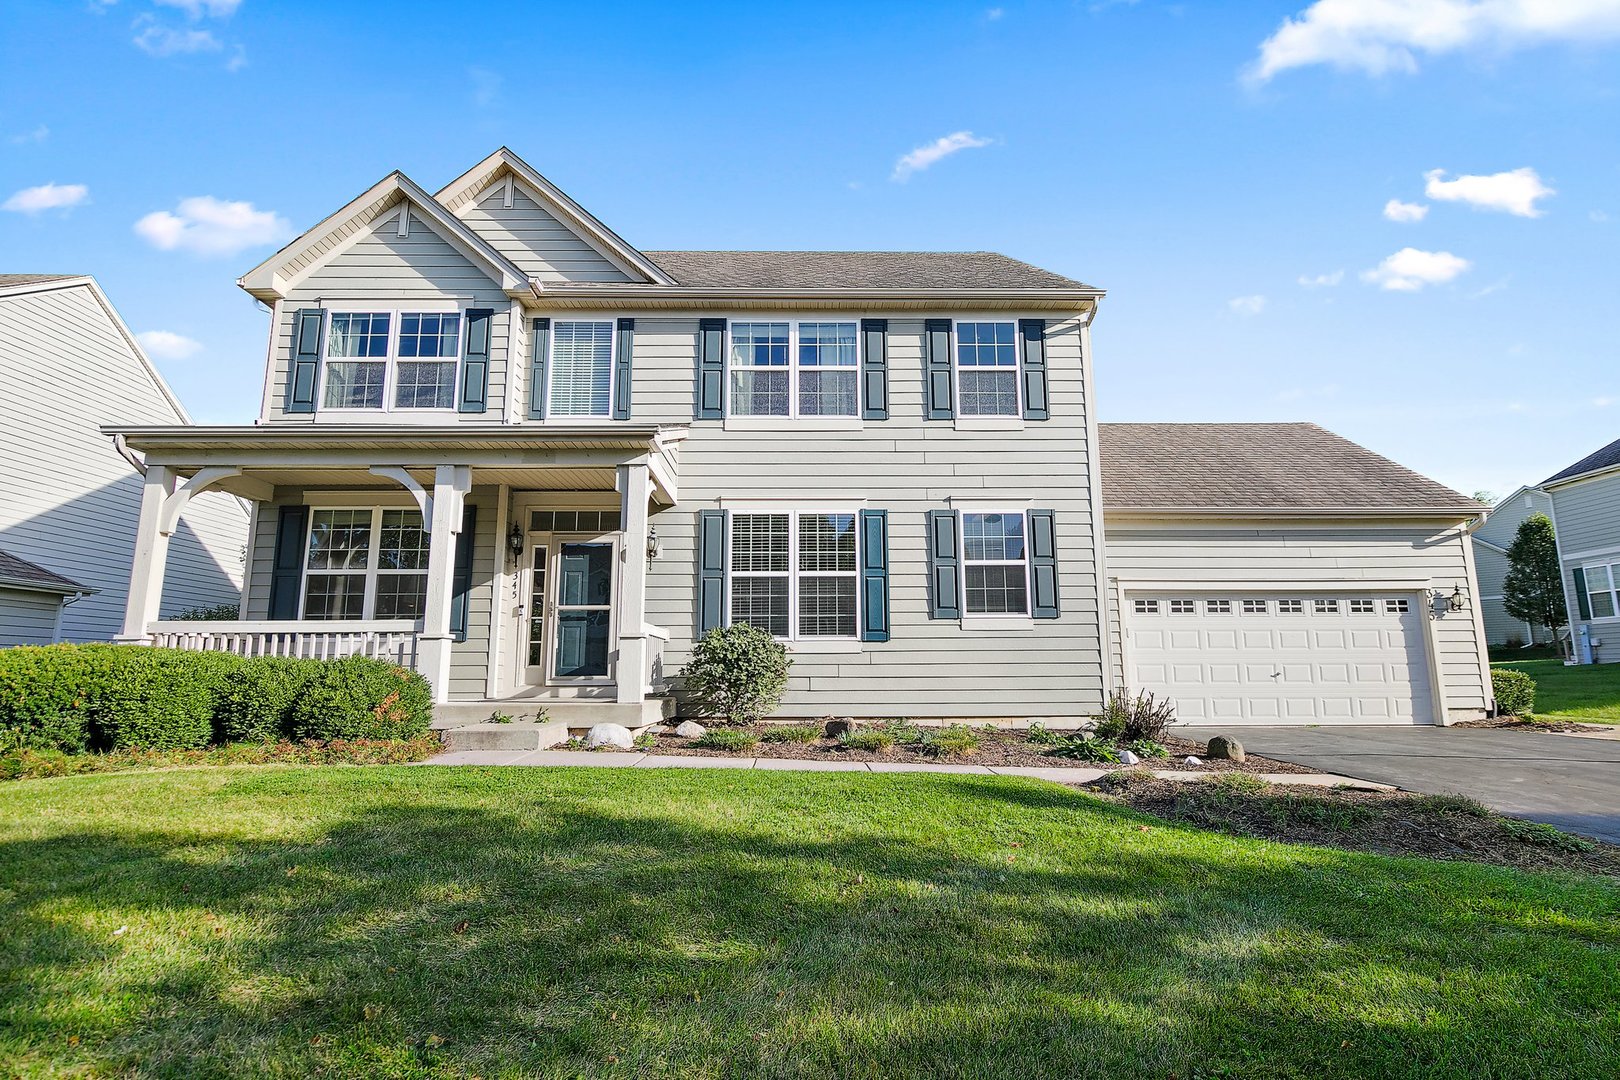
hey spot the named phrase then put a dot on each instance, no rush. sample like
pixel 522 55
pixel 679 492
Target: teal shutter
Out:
pixel 874 575
pixel 621 369
pixel 475 362
pixel 461 579
pixel 287 565
pixel 539 351
pixel 1043 564
pixel 875 369
pixel 1583 599
pixel 713 527
pixel 944 564
pixel 304 366
pixel 941 398
pixel 1032 367
pixel 710 403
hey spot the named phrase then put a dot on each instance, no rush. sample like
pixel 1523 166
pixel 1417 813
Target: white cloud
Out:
pixel 1515 192
pixel 1246 305
pixel 995 13
pixel 1395 210
pixel 1597 216
pixel 209 226
pixel 164 41
pixel 38 135
pixel 1603 402
pixel 34 200
pixel 238 60
pixel 1380 36
pixel 1409 270
pixel 925 156
pixel 1321 281
pixel 196 9
pixel 167 345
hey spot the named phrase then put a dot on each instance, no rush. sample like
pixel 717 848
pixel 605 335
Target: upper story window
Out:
pixel 365 564
pixel 794 369
pixel 987 368
pixel 391 360
pixel 995 564
pixel 794 574
pixel 1602 586
pixel 581 381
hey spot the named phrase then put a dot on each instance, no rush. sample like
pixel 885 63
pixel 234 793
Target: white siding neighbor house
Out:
pixel 69 501
pixel 500 444
pixel 1491 542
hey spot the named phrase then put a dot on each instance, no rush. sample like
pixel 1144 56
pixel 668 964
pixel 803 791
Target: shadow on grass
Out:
pixel 417 922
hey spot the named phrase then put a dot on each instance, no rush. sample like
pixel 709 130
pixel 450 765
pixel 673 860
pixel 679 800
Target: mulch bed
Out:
pixel 1384 822
pixel 996 747
pixel 1519 723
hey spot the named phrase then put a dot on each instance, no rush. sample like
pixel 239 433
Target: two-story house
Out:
pixel 501 444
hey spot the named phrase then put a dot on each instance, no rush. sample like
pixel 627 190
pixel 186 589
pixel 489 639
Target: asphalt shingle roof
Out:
pixel 13 569
pixel 1257 467
pixel 10 280
pixel 855 270
pixel 1606 458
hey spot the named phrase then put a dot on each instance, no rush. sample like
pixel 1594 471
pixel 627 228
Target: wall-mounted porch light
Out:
pixel 514 541
pixel 652 542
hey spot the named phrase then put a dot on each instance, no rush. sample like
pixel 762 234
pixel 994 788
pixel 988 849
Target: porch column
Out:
pixel 151 556
pixel 450 486
pixel 631 674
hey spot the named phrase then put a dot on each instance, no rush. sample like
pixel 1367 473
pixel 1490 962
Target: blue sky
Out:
pixel 1199 161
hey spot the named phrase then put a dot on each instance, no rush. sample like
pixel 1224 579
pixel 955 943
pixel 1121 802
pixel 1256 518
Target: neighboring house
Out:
pixel 1491 543
pixel 501 444
pixel 68 500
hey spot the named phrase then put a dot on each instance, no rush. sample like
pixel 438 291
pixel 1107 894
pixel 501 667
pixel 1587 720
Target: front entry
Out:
pixel 568 609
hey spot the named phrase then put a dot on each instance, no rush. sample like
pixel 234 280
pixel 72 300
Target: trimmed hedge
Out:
pixel 1515 692
pixel 75 698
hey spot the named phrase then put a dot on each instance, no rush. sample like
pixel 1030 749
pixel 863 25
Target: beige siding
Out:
pixel 535 240
pixel 28 618
pixel 384 267
pixel 68 501
pixel 907 466
pixel 1311 554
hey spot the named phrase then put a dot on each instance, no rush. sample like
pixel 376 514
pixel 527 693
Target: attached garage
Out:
pixel 1279 574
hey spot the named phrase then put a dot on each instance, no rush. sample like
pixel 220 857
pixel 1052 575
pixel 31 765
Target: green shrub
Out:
pixel 738 672
pixel 255 703
pixel 1126 719
pixel 1084 748
pixel 1515 692
pixel 1041 735
pixel 794 733
pixel 1237 783
pixel 949 742
pixel 1541 834
pixel 362 698
pixel 727 739
pixel 158 699
pixel 44 695
pixel 873 739
pixel 212 613
pixel 1147 748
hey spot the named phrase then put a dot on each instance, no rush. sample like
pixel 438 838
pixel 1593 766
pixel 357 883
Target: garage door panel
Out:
pixel 1368 639
pixel 1293 639
pixel 1221 639
pixel 1328 639
pixel 1254 640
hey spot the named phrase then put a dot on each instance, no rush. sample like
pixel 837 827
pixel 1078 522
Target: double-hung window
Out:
pixel 995 564
pixel 794 574
pixel 1602 585
pixel 792 369
pixel 987 369
pixel 365 564
pixel 386 360
pixel 581 378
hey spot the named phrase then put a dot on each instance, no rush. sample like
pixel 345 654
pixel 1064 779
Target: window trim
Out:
pixel 1027 614
pixel 795 639
pixel 831 421
pixel 1613 591
pixel 395 310
pixel 372 572
pixel 552 416
pixel 992 421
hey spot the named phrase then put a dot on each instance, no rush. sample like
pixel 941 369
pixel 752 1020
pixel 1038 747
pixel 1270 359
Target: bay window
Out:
pixel 365 564
pixel 792 369
pixel 793 574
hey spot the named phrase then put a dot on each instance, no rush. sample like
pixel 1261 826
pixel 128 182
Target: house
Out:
pixel 1491 542
pixel 69 500
pixel 499 443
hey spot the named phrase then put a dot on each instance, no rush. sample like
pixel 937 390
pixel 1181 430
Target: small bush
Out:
pixel 255 703
pixel 1126 719
pixel 1082 747
pixel 949 742
pixel 1147 748
pixel 873 739
pixel 1041 735
pixel 1237 783
pixel 792 733
pixel 213 613
pixel 362 698
pixel 727 739
pixel 158 699
pixel 1460 805
pixel 1515 692
pixel 1543 835
pixel 738 672
pixel 44 695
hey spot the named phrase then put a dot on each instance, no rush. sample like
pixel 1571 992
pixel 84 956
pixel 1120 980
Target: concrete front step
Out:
pixel 574 713
pixel 513 736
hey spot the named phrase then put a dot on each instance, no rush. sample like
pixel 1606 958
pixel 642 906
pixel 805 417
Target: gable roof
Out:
pixel 856 270
pixel 22 574
pixel 1597 461
pixel 13 281
pixel 1260 469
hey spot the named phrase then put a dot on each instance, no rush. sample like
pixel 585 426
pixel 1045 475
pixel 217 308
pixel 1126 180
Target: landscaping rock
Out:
pixel 616 736
pixel 1190 760
pixel 1128 758
pixel 1224 746
pixel 691 729
pixel 836 727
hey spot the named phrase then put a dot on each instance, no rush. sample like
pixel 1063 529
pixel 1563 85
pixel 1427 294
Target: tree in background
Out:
pixel 1534 587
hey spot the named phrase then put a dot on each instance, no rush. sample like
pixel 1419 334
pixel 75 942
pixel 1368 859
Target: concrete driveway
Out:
pixel 1570 781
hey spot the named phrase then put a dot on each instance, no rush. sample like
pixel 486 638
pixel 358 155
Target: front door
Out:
pixel 568 610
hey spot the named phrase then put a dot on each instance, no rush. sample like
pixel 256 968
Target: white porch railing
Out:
pixel 395 640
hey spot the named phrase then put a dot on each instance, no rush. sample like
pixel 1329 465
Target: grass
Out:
pixel 425 922
pixel 1587 693
pixel 727 739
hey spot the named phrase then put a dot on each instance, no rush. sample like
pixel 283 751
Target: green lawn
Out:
pixel 1587 692
pixel 402 921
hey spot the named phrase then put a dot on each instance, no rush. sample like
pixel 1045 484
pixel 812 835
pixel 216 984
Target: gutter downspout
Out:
pixel 1467 534
pixel 128 455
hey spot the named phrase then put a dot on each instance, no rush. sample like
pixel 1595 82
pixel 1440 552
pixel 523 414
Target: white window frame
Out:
pixel 1398 605
pixel 962 558
pixel 1145 606
pixel 1367 605
pixel 1325 605
pixel 372 572
pixel 554 417
pixel 1291 605
pixel 1613 591
pixel 956 374
pixel 793 370
pixel 1183 606
pixel 1253 605
pixel 793 572
pixel 1218 606
pixel 396 311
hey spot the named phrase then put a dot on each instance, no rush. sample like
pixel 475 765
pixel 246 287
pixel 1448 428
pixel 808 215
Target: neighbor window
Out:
pixel 365 564
pixel 391 360
pixel 995 564
pixel 1601 585
pixel 794 574
pixel 987 368
pixel 794 369
pixel 581 382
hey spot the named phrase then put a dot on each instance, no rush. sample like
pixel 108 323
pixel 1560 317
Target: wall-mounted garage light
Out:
pixel 1441 602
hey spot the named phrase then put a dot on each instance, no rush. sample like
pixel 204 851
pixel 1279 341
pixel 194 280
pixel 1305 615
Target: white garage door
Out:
pixel 1247 658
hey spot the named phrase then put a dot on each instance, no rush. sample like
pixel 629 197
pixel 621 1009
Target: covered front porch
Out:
pixel 509 567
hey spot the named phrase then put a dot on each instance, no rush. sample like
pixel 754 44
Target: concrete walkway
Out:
pixel 631 759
